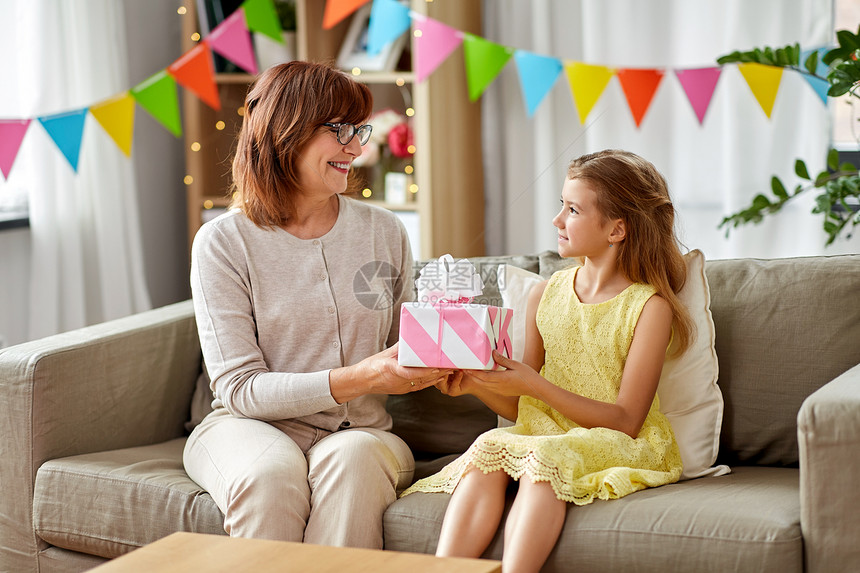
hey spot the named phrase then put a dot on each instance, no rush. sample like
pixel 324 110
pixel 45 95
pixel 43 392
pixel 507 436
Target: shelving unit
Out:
pixel 448 204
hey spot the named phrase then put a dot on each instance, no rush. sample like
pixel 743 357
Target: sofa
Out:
pixel 94 422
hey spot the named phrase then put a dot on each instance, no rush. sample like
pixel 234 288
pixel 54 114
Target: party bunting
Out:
pixel 262 16
pixel 434 42
pixel 699 85
pixel 195 71
pixel 232 40
pixel 819 85
pixel 337 10
pixel 484 61
pixel 587 83
pixel 116 116
pixel 639 86
pixel 389 19
pixel 158 96
pixel 537 77
pixel 12 132
pixel 67 131
pixel 764 83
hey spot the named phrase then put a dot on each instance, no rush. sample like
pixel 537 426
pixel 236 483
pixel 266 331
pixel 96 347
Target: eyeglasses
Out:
pixel 346 131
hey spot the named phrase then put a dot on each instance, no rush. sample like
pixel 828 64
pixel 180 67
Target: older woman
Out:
pixel 297 292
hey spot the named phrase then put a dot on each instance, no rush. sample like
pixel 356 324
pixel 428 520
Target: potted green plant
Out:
pixel 839 184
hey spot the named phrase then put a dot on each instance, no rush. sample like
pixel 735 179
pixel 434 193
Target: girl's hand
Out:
pixel 519 379
pixel 458 383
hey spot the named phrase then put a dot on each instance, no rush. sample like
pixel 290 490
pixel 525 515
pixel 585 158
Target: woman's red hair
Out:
pixel 284 109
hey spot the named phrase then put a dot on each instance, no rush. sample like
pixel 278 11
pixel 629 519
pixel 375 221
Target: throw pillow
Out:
pixel 688 391
pixel 514 286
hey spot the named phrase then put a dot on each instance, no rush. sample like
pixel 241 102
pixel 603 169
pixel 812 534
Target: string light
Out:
pixel 409 112
pixel 241 111
pixel 411 149
pixel 195 37
pixel 208 204
pixel 356 71
pixel 413 188
pixel 188 180
pixel 220 125
pixel 408 170
pixel 366 192
pixel 195 146
pixel 417 33
pixel 181 10
pixel 400 82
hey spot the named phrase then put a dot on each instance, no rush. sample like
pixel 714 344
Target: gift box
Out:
pixel 444 328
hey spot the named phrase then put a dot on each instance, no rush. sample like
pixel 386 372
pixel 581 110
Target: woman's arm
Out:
pixel 228 311
pixel 638 383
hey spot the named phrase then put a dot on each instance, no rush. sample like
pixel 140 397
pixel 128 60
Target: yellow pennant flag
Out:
pixel 587 82
pixel 764 83
pixel 116 116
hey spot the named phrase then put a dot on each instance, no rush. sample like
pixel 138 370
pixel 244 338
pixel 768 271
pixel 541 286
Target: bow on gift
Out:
pixel 447 280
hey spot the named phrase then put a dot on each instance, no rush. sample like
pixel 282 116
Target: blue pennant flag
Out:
pixel 388 20
pixel 819 85
pixel 537 76
pixel 67 131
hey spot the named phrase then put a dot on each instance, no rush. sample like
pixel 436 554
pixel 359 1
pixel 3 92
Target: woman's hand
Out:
pixel 381 374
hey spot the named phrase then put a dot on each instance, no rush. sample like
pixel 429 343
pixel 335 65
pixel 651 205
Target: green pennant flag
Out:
pixel 484 61
pixel 262 16
pixel 158 96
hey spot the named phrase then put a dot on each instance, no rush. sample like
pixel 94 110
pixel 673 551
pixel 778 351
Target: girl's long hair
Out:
pixel 285 107
pixel 631 189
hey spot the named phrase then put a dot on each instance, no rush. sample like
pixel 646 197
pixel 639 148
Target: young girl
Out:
pixel 584 397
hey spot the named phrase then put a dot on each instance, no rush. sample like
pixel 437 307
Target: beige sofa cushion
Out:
pixel 109 503
pixel 785 327
pixel 746 521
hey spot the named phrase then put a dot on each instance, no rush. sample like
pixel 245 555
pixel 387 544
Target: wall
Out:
pixel 153 34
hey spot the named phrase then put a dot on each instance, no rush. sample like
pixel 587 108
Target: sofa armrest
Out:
pixel 123 383
pixel 828 433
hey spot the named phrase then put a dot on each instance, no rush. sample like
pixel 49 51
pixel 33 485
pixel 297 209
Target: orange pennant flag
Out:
pixel 194 70
pixel 116 116
pixel 639 87
pixel 337 10
pixel 764 82
pixel 587 83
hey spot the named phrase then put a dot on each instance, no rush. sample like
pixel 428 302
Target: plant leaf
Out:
pixel 839 89
pixel 760 202
pixel 812 62
pixel 800 169
pixel 778 188
pixel 833 159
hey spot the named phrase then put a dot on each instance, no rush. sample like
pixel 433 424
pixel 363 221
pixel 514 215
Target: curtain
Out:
pixel 86 256
pixel 713 169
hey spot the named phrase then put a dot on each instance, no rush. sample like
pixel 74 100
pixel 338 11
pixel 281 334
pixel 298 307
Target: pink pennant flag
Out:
pixel 11 134
pixel 434 42
pixel 699 85
pixel 232 40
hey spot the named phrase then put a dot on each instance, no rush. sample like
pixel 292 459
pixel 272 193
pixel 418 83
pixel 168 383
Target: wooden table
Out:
pixel 183 552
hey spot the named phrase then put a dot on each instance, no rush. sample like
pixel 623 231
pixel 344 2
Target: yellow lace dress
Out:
pixel 586 347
